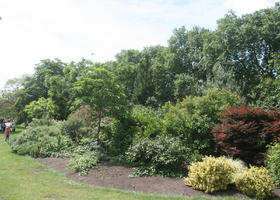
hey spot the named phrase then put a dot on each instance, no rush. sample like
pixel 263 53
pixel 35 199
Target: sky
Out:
pixel 33 30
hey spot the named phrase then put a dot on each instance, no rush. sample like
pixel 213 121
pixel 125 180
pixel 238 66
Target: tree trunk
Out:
pixel 99 124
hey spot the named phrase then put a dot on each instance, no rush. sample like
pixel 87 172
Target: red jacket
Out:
pixel 7 132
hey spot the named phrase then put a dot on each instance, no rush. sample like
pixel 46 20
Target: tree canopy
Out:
pixel 242 55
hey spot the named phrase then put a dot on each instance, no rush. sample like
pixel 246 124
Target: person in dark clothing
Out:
pixel 13 129
pixel 3 127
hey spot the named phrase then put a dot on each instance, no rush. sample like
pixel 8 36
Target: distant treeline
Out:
pixel 242 55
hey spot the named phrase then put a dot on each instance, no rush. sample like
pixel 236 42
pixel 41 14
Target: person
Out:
pixel 13 129
pixel 3 126
pixel 12 121
pixel 7 133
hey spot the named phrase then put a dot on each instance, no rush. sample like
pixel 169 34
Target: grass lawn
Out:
pixel 19 128
pixel 22 178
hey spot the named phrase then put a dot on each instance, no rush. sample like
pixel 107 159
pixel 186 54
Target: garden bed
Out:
pixel 119 177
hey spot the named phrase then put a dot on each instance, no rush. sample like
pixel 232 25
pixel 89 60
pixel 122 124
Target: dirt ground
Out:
pixel 117 176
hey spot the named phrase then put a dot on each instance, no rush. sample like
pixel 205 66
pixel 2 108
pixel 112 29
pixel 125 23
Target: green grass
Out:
pixel 22 178
pixel 19 128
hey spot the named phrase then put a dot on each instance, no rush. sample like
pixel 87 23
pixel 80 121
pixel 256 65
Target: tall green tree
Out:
pixel 187 48
pixel 247 46
pixel 61 93
pixel 98 89
pixel 35 86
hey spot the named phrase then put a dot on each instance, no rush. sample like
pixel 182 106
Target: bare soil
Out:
pixel 118 176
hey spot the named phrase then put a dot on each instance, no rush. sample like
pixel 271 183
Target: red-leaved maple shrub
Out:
pixel 244 132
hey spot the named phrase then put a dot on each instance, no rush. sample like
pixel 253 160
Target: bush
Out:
pixel 211 174
pixel 75 128
pixel 122 135
pixel 40 141
pixel 256 182
pixel 148 121
pixel 82 163
pixel 193 118
pixel 83 112
pixel 43 122
pixel 160 156
pixel 244 132
pixel 272 162
pixel 143 122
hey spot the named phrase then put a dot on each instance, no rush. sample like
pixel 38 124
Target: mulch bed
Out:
pixel 117 176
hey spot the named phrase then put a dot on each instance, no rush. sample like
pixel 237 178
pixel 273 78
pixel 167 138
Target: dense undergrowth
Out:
pixel 161 142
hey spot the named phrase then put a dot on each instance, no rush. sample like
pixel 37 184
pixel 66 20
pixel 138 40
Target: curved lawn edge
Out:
pixel 21 177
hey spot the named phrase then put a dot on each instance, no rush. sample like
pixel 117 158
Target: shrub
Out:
pixel 272 162
pixel 40 108
pixel 83 112
pixel 211 174
pixel 82 163
pixel 255 182
pixel 193 118
pixel 43 122
pixel 244 132
pixel 143 122
pixel 40 141
pixel 164 155
pixel 122 135
pixel 148 121
pixel 75 128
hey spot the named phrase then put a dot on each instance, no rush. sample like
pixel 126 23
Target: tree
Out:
pixel 40 108
pixel 185 85
pixel 9 96
pixel 61 93
pixel 35 86
pixel 187 48
pixel 128 57
pixel 44 70
pixel 246 46
pixel 98 89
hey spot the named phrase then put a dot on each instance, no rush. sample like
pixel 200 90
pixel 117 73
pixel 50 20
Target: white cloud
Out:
pixel 32 30
pixel 247 6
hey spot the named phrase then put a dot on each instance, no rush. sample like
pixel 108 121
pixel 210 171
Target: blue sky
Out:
pixel 32 30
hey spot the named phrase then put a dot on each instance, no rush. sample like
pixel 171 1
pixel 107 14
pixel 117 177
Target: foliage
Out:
pixel 164 155
pixel 7 101
pixel 75 128
pixel 272 162
pixel 98 89
pixel 148 120
pixel 241 55
pixel 256 182
pixel 61 93
pixel 40 141
pixel 188 61
pixel 35 87
pixel 87 145
pixel 143 85
pixel 82 163
pixel 244 132
pixel 45 121
pixel 245 45
pixel 38 109
pixel 211 174
pixel 185 85
pixel 267 94
pixel 84 113
pixel 122 135
pixel 192 118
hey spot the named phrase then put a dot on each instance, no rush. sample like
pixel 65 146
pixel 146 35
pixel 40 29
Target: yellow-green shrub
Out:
pixel 211 174
pixel 255 182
